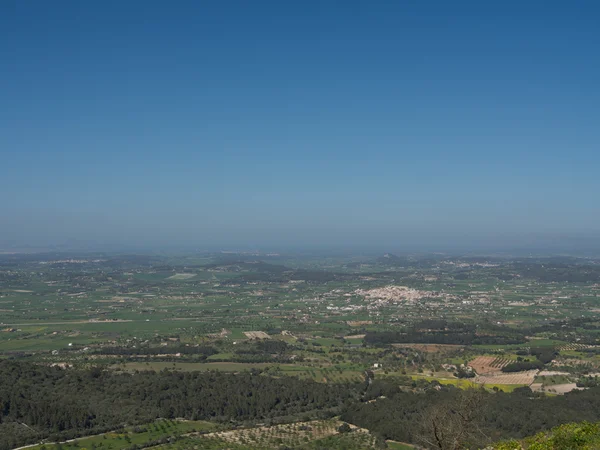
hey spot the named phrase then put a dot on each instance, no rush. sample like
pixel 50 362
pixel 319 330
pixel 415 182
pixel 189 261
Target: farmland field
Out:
pixel 142 435
pixel 524 378
pixel 488 364
pixel 373 327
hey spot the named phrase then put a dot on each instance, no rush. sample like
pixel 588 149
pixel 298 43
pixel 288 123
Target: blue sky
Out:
pixel 238 123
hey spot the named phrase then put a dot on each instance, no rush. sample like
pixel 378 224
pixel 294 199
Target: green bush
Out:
pixel 571 436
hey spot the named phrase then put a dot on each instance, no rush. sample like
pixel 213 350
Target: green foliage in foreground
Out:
pixel 571 436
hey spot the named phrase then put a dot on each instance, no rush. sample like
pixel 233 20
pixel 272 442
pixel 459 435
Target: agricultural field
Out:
pixel 420 322
pixel 485 365
pixel 174 434
pixel 209 312
pixel 291 435
pixel 524 378
pixel 143 436
pixel 338 441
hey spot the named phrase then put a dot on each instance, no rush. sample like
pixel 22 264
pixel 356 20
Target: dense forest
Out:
pixel 399 414
pixel 62 404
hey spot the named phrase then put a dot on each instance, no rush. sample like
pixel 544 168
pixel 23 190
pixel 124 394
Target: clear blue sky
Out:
pixel 266 123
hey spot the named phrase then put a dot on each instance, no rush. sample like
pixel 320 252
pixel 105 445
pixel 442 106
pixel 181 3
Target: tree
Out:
pixel 452 425
pixel 344 428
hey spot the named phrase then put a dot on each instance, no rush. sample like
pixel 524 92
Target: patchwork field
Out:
pixel 484 365
pixel 298 319
pixel 291 435
pixel 256 335
pixel 522 378
pixel 181 276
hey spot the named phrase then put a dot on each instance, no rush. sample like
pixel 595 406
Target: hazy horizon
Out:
pixel 277 125
pixel 507 245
